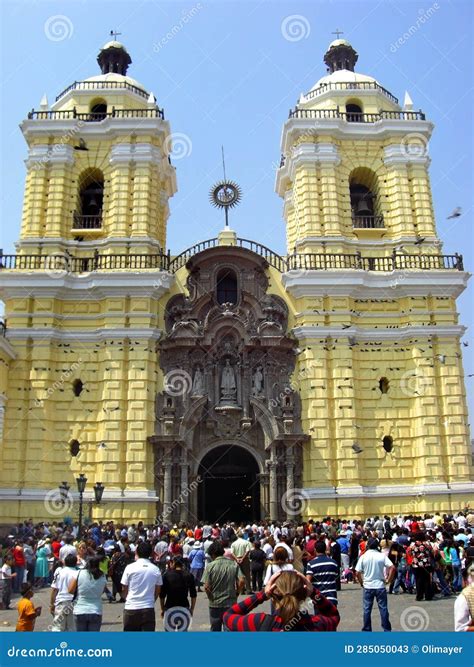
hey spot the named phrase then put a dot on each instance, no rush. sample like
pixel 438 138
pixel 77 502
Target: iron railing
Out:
pixel 96 116
pixel 63 262
pixel 368 222
pixel 356 117
pixel 350 85
pixel 103 85
pixel 86 221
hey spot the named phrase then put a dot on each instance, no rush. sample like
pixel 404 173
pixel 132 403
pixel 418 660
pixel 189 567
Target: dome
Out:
pixel 118 78
pixel 339 42
pixel 114 45
pixel 344 76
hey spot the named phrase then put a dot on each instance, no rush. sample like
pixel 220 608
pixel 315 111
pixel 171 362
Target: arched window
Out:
pixel 387 443
pixel 226 287
pixel 98 110
pixel 363 189
pixel 77 387
pixel 354 113
pixel 384 385
pixel 91 198
pixel 74 447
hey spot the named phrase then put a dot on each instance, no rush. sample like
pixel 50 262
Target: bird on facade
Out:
pixel 82 146
pixel 357 448
pixel 457 212
pixel 420 240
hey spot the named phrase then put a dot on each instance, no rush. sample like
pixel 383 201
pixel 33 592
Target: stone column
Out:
pixel 167 469
pixel 183 512
pixel 290 479
pixel 264 499
pixel 272 468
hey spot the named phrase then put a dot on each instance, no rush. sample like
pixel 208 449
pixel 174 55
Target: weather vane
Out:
pixel 337 32
pixel 114 34
pixel 225 194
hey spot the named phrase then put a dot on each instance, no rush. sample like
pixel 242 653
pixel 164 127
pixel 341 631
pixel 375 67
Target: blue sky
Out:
pixel 228 75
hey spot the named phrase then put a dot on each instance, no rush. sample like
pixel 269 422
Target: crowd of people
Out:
pixel 299 567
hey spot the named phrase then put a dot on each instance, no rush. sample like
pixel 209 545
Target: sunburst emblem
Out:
pixel 225 194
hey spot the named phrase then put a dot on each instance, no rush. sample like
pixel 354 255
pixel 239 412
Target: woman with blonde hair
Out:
pixel 278 564
pixel 293 597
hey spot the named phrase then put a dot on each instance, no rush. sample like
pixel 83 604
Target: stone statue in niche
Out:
pixel 258 381
pixel 198 383
pixel 228 384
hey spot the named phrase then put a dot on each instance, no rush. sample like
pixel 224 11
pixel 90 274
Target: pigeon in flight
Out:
pixel 456 213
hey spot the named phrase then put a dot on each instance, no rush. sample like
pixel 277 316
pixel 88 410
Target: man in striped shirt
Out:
pixel 322 572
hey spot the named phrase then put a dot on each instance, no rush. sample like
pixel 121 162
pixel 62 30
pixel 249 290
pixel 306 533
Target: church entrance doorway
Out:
pixel 230 487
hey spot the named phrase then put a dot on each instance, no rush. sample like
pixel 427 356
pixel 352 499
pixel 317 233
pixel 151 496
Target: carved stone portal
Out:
pixel 234 400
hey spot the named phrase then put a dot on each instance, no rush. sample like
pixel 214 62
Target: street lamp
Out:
pixel 81 485
pixel 98 491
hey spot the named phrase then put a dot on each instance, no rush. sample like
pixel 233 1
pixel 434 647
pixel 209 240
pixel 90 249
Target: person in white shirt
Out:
pixel 283 544
pixel 67 548
pixel 61 605
pixel 141 585
pixel 461 520
pixel 464 605
pixel 370 571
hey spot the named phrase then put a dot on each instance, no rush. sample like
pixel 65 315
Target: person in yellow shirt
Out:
pixel 27 613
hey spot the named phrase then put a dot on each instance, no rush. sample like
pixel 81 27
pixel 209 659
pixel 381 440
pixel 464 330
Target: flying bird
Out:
pixel 420 240
pixel 457 212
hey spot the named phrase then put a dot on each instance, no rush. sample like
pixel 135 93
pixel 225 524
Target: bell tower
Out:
pixel 355 165
pixel 98 168
pixel 374 298
pixel 82 300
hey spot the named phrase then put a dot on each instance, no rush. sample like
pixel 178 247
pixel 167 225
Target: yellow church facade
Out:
pixel 227 381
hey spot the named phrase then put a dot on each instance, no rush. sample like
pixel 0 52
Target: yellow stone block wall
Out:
pixel 116 406
pixel 320 199
pixel 132 206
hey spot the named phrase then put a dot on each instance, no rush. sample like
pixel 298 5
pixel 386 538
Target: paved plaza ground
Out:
pixel 405 613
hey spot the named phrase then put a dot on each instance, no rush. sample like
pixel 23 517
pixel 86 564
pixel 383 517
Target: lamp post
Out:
pixel 81 485
pixel 98 491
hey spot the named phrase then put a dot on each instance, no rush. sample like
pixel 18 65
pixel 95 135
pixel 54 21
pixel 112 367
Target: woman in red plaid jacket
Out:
pixel 289 591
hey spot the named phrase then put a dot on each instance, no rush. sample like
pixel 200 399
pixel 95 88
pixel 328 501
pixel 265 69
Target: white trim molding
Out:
pixel 401 154
pixel 309 154
pixel 366 284
pixel 294 128
pixel 6 347
pixel 384 491
pixel 47 334
pixel 45 155
pixel 125 496
pixel 372 334
pixel 92 286
pixel 107 128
